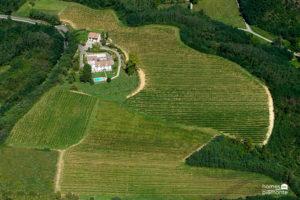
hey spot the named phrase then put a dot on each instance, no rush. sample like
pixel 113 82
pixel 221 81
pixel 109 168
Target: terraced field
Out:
pixel 133 157
pixel 58 120
pixel 225 11
pixel 183 85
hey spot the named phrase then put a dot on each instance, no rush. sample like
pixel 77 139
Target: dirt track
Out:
pixel 271 116
pixel 142 84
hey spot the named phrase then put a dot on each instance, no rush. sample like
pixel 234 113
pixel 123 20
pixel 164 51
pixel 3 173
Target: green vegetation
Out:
pixel 58 120
pixel 184 93
pixel 51 19
pixel 278 17
pixel 8 6
pixel 86 74
pixel 4 69
pixel 269 63
pixel 116 90
pixel 225 11
pixel 52 7
pixel 31 52
pixel 131 65
pixel 268 197
pixel 135 157
pixel 26 171
pixel 225 153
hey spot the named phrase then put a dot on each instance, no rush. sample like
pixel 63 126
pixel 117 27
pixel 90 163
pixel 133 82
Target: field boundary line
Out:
pixel 271 115
pixel 142 84
pixel 199 148
pixel 61 153
pixel 59 168
pixel 78 92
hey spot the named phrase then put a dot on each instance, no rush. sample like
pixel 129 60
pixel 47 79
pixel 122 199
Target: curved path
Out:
pixel 59 168
pixel 271 116
pixel 270 99
pixel 249 29
pixel 141 86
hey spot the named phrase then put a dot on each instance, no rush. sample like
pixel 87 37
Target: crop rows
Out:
pixel 183 85
pixel 129 156
pixel 58 120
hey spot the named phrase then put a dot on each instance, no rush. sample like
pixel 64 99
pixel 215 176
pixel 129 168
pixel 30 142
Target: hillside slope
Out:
pixel 182 84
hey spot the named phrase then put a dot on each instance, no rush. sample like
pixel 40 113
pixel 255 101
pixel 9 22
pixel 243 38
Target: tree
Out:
pixel 104 38
pixel 86 74
pixel 248 143
pixel 71 77
pixel 131 65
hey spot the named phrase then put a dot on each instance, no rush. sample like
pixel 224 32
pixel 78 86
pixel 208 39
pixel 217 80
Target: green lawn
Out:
pixel 58 120
pixel 135 157
pixel 27 170
pixel 225 11
pixel 266 34
pixel 116 90
pixel 183 85
pixel 49 6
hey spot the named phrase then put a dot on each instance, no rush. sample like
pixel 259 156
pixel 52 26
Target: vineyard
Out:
pixel 143 158
pixel 27 170
pixel 58 120
pixel 183 85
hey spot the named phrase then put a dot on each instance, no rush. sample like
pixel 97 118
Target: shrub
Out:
pixel 51 19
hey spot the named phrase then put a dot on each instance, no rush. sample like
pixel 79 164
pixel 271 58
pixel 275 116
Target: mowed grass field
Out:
pixel 226 11
pixel 57 121
pixel 27 170
pixel 48 6
pixel 183 85
pixel 117 90
pixel 135 157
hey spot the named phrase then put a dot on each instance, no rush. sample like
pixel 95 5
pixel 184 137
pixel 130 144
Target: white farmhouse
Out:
pixel 100 62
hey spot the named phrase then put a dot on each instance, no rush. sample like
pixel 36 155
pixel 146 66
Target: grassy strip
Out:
pixel 225 11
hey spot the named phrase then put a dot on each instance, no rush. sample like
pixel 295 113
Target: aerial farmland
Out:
pixel 144 100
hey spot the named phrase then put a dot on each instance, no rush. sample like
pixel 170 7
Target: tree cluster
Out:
pixel 8 6
pixel 131 65
pixel 276 16
pixel 23 98
pixel 51 19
